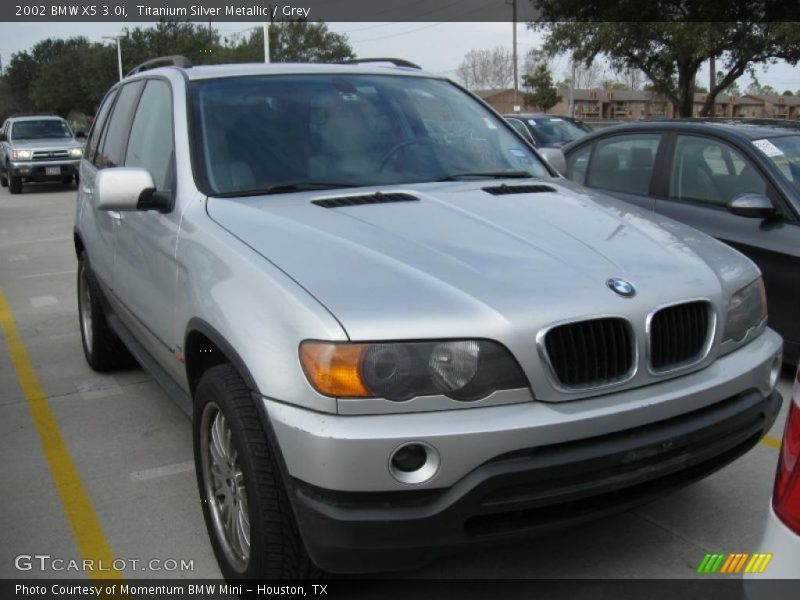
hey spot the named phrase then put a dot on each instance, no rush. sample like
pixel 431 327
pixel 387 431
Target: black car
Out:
pixel 548 131
pixel 737 180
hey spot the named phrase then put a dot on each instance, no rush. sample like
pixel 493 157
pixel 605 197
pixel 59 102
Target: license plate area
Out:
pixel 52 171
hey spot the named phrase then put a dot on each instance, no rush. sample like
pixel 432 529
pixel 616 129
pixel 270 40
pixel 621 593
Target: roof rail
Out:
pixel 397 62
pixel 175 60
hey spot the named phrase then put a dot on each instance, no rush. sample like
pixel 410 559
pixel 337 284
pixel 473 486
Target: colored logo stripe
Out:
pixel 732 564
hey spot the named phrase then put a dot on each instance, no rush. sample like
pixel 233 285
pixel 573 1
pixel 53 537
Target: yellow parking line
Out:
pixel 771 442
pixel 86 528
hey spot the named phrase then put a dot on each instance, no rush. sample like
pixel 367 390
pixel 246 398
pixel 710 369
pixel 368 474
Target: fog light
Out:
pixel 414 463
pixel 775 371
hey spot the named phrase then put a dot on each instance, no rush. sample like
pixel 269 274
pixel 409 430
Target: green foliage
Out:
pixel 671 42
pixel 540 90
pixel 74 74
pixel 290 41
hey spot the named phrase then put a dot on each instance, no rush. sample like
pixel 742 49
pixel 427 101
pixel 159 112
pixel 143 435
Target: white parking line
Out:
pixel 157 472
pixel 37 275
pixel 40 301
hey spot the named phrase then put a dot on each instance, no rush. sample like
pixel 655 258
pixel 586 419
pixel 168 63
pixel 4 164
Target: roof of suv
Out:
pixel 249 69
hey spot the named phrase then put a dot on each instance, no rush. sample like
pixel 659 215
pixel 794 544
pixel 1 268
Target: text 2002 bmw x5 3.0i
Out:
pixel 398 332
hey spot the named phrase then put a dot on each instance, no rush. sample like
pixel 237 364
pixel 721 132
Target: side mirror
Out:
pixel 80 135
pixel 129 189
pixel 555 158
pixel 2 137
pixel 756 206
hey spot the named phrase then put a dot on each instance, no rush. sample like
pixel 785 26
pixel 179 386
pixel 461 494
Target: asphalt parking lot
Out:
pixel 132 452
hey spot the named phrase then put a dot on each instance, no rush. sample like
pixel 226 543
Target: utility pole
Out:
pixel 266 42
pixel 118 38
pixel 513 4
pixel 572 91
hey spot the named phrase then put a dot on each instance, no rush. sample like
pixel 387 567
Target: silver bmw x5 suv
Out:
pixel 396 329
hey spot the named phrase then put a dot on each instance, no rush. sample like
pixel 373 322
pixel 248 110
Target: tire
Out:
pixel 14 184
pixel 4 177
pixel 103 350
pixel 273 548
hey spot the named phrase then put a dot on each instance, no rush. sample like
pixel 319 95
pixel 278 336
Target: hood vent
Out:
pixel 504 190
pixel 376 198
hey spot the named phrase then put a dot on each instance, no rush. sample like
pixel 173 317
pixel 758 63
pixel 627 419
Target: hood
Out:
pixel 46 144
pixel 461 261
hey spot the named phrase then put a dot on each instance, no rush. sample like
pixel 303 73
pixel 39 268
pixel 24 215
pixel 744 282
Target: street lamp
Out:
pixel 119 51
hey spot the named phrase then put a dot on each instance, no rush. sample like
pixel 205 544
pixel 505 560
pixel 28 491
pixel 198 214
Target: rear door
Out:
pixel 705 174
pixel 621 165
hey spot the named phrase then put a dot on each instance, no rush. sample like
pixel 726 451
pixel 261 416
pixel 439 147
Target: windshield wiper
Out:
pixel 288 188
pixel 488 175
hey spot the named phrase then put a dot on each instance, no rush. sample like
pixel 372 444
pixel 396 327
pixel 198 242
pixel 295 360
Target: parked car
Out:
pixel 396 329
pixel 738 181
pixel 548 131
pixel 781 538
pixel 37 148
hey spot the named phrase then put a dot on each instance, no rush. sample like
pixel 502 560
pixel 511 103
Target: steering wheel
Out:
pixel 397 147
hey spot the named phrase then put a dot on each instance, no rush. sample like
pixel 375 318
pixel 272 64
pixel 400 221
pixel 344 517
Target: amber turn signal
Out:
pixel 333 369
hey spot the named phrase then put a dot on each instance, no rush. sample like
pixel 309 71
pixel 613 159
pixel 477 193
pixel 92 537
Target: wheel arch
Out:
pixel 79 245
pixel 205 347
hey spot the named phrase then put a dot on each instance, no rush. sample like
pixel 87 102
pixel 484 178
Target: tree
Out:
pixel 787 93
pixel 632 79
pixel 612 84
pixel 73 74
pixel 291 41
pixel 540 90
pixel 491 69
pixel 732 89
pixel 672 41
pixel 588 76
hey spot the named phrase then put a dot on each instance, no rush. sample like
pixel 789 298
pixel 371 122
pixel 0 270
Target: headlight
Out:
pixel 75 153
pixel 747 308
pixel 21 154
pixel 461 369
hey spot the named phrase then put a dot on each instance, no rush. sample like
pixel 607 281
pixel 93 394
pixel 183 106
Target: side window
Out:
pixel 97 126
pixel 151 142
pixel 115 134
pixel 577 163
pixel 624 163
pixel 708 171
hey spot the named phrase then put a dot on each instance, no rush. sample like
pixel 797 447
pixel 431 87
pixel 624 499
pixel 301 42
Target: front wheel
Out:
pixel 246 509
pixel 14 184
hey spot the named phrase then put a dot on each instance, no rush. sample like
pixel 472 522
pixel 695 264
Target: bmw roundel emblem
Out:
pixel 621 287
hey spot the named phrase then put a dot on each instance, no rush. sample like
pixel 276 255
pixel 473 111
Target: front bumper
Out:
pixel 37 170
pixel 514 470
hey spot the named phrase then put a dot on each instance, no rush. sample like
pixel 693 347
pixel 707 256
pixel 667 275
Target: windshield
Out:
pixel 39 129
pixel 554 130
pixel 785 153
pixel 300 131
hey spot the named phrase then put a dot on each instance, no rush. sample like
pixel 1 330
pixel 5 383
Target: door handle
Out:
pixel 115 215
pixel 87 190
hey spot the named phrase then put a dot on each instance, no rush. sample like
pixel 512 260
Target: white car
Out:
pixel 782 533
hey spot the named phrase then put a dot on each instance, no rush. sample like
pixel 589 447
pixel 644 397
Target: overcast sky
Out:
pixel 438 47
